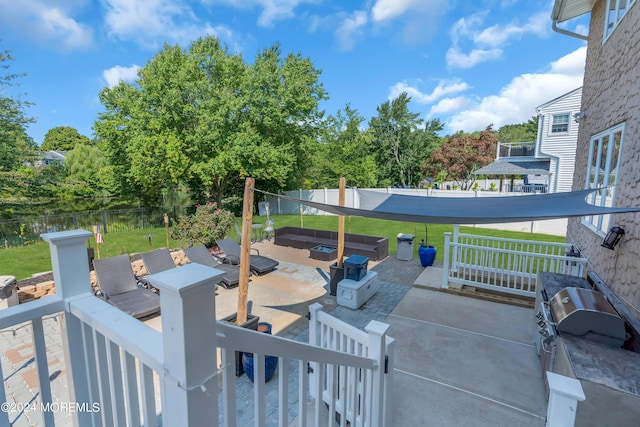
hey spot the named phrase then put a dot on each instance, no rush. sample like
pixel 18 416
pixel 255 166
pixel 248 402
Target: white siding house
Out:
pixel 558 137
pixel 547 163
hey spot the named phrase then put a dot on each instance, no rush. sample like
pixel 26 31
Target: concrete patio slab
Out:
pixel 423 402
pixel 464 361
pixel 475 315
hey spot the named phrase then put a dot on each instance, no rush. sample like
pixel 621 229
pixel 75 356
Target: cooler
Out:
pixel 354 293
pixel 355 267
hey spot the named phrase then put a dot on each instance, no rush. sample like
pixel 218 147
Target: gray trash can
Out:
pixel 405 247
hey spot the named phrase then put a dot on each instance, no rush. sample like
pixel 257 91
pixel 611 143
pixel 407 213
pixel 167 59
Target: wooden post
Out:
pixel 245 250
pixel 341 197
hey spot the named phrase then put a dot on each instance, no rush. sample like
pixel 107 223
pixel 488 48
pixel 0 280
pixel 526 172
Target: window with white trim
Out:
pixel 605 151
pixel 616 9
pixel 560 123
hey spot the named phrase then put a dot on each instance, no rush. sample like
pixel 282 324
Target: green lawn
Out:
pixel 24 261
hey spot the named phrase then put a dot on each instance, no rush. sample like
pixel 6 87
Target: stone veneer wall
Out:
pixel 611 95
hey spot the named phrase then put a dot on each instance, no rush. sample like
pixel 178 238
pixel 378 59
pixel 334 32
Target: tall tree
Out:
pixel 461 155
pixel 87 171
pixel 204 117
pixel 16 147
pixel 399 146
pixel 345 152
pixel 521 132
pixel 63 138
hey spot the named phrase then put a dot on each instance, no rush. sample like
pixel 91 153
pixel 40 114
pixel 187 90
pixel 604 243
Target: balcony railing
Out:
pixel 505 265
pixel 516 149
pixel 122 372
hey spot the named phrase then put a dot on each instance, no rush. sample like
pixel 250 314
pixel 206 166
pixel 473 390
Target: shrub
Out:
pixel 208 224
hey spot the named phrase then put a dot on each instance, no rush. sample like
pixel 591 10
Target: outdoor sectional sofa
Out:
pixel 374 248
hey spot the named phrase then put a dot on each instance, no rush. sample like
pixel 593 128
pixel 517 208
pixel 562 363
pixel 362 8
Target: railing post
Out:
pixel 190 377
pixel 445 267
pixel 314 339
pixel 377 341
pixel 456 240
pixel 71 277
pixel 388 383
pixel 564 395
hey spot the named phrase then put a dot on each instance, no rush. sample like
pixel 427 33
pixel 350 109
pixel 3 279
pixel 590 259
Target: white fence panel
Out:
pixel 505 265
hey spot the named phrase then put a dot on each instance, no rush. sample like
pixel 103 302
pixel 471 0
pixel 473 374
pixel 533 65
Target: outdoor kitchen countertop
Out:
pixel 613 367
pixel 555 282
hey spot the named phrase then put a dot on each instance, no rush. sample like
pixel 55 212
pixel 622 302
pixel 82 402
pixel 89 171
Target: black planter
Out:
pixel 251 323
pixel 336 274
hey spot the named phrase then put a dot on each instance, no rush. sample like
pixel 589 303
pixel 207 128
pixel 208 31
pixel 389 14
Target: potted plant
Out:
pixel 270 362
pixel 426 252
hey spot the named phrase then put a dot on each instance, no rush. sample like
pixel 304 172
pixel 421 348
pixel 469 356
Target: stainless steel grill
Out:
pixel 587 314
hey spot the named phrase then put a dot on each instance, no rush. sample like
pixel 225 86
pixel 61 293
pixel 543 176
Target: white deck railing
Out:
pixel 122 372
pixel 505 265
pixel 358 396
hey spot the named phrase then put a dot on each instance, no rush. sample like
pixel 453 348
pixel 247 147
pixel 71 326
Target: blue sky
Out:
pixel 469 63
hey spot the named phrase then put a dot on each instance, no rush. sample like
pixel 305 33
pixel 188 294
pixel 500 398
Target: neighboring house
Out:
pixel 557 138
pixel 547 163
pixel 609 139
pixel 52 157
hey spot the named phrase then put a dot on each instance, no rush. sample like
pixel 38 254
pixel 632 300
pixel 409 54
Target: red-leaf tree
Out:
pixel 461 155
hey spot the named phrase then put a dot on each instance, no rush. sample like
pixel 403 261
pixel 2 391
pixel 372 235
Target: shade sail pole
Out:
pixel 343 184
pixel 245 250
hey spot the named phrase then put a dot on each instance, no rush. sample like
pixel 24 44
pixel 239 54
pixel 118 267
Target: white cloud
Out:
pixel 498 35
pixel 445 87
pixel 272 10
pixel 458 59
pixel 487 43
pixel 149 21
pixel 571 64
pixel 517 101
pixel 449 105
pixel 421 18
pixel 48 21
pixel 115 75
pixel 388 9
pixel 350 29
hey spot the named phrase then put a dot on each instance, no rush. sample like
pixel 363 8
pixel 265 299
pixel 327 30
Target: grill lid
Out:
pixel 587 313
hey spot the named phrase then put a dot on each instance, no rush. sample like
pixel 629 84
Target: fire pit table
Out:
pixel 323 253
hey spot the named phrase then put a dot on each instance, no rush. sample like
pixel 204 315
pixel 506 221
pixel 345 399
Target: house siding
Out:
pixel 561 147
pixel 610 96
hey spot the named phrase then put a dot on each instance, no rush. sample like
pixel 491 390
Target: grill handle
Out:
pixel 547 313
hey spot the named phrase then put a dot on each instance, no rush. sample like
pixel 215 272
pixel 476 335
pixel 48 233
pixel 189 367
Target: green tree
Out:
pixel 63 138
pixel 16 147
pixel 87 171
pixel 345 152
pixel 521 132
pixel 461 155
pixel 205 118
pixel 401 145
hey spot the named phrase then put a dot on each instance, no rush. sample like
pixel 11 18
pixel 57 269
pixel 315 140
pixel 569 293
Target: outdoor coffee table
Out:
pixel 323 253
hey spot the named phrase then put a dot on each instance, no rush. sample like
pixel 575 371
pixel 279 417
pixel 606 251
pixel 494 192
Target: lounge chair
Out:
pixel 200 255
pixel 157 261
pixel 119 287
pixel 258 264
